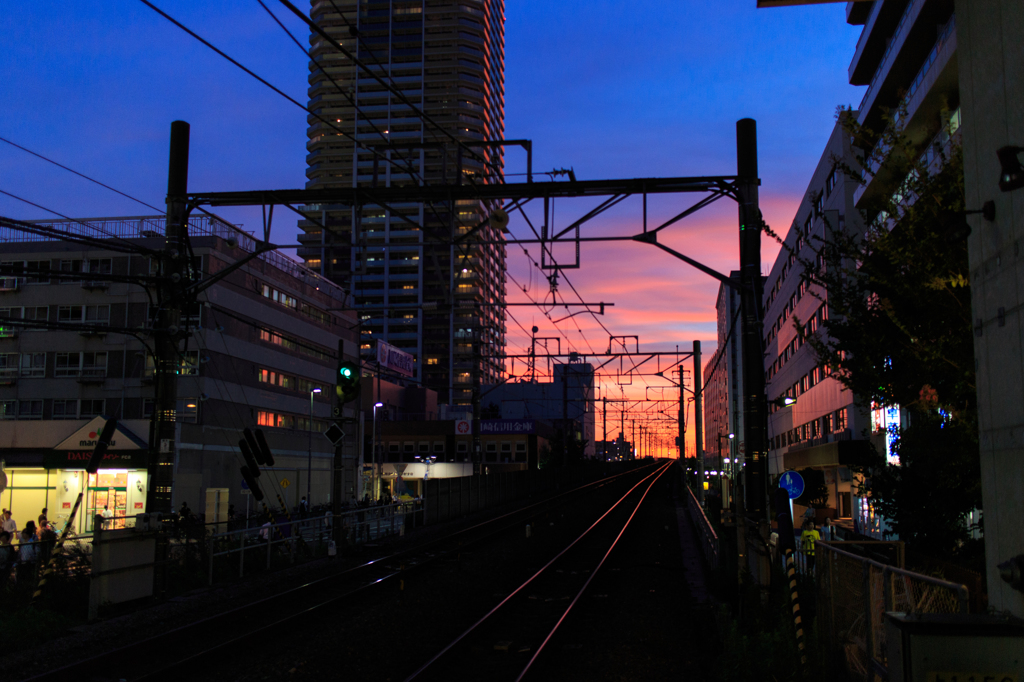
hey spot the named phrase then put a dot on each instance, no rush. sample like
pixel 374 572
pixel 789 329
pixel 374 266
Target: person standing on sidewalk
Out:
pixel 808 537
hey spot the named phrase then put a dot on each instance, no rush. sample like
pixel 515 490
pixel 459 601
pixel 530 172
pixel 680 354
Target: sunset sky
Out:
pixel 611 89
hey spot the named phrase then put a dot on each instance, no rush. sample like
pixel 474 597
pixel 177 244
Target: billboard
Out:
pixel 396 360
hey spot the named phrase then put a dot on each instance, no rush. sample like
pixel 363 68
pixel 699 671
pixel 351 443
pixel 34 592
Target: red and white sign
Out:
pixel 65 505
pixel 138 505
pixel 463 427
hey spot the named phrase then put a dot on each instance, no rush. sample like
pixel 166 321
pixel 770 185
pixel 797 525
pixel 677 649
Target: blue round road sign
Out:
pixel 792 483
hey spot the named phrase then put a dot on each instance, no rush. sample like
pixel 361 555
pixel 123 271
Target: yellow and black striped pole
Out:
pixel 798 622
pixel 57 549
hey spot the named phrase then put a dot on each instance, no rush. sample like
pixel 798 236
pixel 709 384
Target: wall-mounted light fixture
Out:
pixel 138 484
pixel 65 486
pixel 1011 172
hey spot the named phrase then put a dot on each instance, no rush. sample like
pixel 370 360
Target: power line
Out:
pixel 81 175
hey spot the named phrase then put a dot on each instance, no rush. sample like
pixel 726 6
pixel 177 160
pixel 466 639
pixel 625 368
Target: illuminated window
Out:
pixel 275 420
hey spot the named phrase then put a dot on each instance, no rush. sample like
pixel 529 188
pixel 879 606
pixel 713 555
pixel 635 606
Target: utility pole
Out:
pixel 604 419
pixel 174 269
pixel 754 419
pixel 682 419
pixel 698 421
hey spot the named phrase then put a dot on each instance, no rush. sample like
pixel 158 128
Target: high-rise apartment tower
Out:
pixel 426 93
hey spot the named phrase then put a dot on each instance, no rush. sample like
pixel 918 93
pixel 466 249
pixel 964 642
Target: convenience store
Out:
pixel 53 477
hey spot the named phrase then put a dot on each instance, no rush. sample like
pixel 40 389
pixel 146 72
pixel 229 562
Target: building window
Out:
pixel 91 408
pixel 438 447
pixel 30 409
pixel 826 424
pixel 33 364
pixel 462 446
pixel 275 419
pixel 8 409
pixel 148 405
pixel 8 365
pixel 520 446
pixel 841 420
pixel 65 409
pixel 409 447
pixel 280 297
pixel 188 410
pixel 424 447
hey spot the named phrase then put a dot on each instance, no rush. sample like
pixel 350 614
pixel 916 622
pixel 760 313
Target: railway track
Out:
pixel 509 641
pixel 192 651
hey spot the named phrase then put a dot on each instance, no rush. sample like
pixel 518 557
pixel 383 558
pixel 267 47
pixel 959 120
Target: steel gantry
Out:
pixel 742 188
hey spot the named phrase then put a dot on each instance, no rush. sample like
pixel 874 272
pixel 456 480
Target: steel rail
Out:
pixel 101 663
pixel 475 626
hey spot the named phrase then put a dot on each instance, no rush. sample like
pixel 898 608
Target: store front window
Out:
pixel 108 488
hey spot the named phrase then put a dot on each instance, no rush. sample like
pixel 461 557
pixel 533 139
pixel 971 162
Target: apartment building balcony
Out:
pixel 928 91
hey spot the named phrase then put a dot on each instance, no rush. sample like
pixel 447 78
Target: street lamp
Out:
pixel 721 466
pixel 373 482
pixel 309 463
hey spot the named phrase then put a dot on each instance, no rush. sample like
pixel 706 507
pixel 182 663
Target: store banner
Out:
pixel 506 426
pixel 396 360
pixel 78 459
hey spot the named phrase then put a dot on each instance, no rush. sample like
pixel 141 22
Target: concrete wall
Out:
pixel 991 54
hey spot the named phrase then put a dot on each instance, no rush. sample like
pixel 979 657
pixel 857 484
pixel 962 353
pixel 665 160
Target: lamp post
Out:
pixel 376 474
pixel 721 467
pixel 309 463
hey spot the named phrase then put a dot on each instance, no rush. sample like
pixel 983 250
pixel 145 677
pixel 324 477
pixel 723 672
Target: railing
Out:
pixel 707 535
pixel 354 527
pixel 896 34
pixel 854 593
pixel 136 227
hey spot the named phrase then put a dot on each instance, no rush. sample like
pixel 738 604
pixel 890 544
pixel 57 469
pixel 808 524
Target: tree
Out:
pixel 898 332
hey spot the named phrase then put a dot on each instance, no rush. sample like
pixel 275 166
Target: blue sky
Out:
pixel 613 89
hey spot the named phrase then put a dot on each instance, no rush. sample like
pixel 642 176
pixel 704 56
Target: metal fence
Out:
pixel 854 593
pixel 705 533
pixel 302 538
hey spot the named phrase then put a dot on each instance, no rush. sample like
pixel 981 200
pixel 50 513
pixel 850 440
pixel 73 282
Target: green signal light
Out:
pixel 345 372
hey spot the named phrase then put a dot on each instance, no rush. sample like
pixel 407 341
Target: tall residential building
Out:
pixel 414 289
pixel 992 91
pixel 906 55
pixel 723 389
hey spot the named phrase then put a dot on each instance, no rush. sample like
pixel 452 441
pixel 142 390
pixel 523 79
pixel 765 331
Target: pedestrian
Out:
pixel 827 530
pixel 107 516
pixel 265 531
pixel 42 518
pixel 10 525
pixel 810 514
pixel 807 539
pixel 303 507
pixel 47 541
pixel 27 554
pixel 773 541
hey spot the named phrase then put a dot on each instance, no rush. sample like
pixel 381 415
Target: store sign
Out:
pixel 78 459
pixel 506 426
pixel 396 360
pixel 139 505
pixel 87 436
